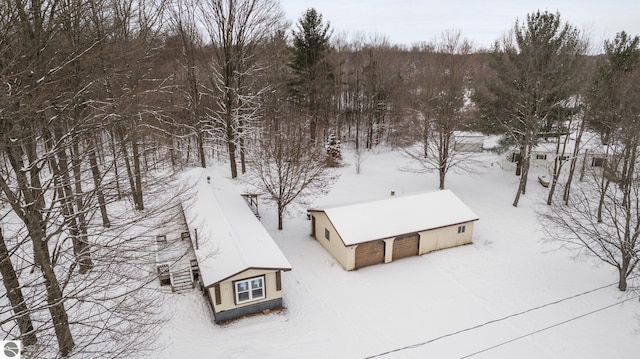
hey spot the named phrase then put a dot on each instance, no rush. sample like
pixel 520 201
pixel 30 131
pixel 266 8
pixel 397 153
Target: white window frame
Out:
pixel 249 289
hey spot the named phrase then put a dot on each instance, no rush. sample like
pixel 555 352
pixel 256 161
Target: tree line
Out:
pixel 100 99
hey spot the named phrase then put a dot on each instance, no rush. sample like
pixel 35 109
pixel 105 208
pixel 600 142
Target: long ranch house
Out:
pixel 364 234
pixel 240 264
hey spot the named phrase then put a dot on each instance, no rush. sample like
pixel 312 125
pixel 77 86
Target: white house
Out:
pixel 239 263
pixel 591 157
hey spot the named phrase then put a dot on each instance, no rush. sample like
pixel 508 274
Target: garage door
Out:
pixel 369 253
pixel 406 246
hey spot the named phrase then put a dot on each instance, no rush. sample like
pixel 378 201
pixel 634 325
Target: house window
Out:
pixel 541 157
pixel 249 290
pixel 597 162
pixel 515 157
pixel 565 158
pixel 326 234
pixel 461 229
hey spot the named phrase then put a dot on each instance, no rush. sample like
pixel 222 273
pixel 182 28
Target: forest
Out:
pixel 102 101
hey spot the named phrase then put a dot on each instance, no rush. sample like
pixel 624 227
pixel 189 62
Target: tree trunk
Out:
pixel 232 159
pixel 604 186
pixel 137 172
pixel 572 166
pixel 73 220
pixel 522 184
pixel 55 299
pixel 85 254
pixel 14 294
pixel 243 161
pixel 622 275
pixel 201 154
pixel 32 218
pixel 127 162
pixel 114 153
pixel 95 173
pixel 280 215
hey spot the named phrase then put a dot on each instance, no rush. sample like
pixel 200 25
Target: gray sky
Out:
pixel 410 21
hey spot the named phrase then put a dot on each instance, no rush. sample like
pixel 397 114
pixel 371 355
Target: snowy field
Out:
pixel 508 295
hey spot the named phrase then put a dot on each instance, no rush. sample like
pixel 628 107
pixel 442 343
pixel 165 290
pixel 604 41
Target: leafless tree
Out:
pixel 288 167
pixel 603 219
pixel 613 239
pixel 441 104
pixel 236 30
pixel 14 293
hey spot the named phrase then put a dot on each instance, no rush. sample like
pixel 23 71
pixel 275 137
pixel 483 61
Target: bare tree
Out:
pixel 603 219
pixel 288 167
pixel 236 29
pixel 14 294
pixel 613 239
pixel 441 104
pixel 188 43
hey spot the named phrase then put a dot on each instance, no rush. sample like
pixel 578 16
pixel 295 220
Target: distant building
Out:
pixel 592 157
pixel 368 233
pixel 240 266
pixel 465 141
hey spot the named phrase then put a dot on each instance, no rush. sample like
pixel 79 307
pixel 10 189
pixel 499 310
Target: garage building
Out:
pixel 367 233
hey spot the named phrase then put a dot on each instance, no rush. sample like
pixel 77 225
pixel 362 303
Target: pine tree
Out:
pixel 534 76
pixel 312 72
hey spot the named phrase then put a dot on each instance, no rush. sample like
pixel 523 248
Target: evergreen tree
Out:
pixel 312 73
pixel 534 77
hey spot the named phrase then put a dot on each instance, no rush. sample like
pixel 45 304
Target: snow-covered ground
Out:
pixel 508 295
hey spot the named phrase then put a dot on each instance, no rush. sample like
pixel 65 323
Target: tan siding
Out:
pixel 227 294
pixel 445 237
pixel 335 246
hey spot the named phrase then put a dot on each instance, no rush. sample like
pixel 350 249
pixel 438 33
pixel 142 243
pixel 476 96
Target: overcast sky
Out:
pixel 410 21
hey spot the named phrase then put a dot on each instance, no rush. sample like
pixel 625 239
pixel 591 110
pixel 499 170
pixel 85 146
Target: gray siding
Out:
pixel 249 309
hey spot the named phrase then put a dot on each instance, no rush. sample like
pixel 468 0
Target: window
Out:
pixel 461 229
pixel 326 234
pixel 565 158
pixel 541 157
pixel 597 162
pixel 249 290
pixel 515 157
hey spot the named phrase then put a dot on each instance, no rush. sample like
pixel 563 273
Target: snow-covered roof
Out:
pixel 589 141
pixel 230 239
pixel 468 134
pixel 395 215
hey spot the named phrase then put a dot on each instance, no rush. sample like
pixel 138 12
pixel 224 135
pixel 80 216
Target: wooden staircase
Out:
pixel 181 280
